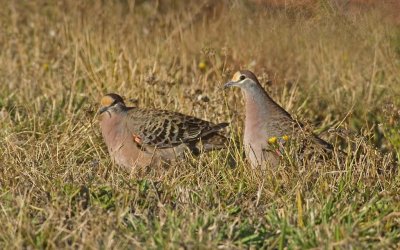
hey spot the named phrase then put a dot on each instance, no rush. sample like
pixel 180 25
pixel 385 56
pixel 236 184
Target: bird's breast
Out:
pixel 113 130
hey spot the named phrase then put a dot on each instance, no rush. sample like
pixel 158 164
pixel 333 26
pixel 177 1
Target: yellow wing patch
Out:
pixel 236 76
pixel 137 139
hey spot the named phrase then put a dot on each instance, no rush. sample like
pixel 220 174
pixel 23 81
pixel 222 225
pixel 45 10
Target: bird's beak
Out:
pixel 102 110
pixel 230 84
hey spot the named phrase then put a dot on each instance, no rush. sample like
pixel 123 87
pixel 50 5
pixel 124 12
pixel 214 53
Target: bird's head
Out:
pixel 110 101
pixel 243 79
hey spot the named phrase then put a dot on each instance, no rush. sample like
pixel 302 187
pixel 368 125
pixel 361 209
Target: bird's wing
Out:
pixel 322 143
pixel 163 129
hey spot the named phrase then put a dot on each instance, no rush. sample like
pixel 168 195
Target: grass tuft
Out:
pixel 336 67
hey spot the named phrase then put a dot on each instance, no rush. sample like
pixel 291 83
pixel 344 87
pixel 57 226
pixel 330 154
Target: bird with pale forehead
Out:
pixel 138 137
pixel 266 120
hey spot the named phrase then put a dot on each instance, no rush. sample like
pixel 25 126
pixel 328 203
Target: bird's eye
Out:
pixel 242 77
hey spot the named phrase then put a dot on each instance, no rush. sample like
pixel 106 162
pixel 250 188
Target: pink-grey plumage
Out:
pixel 143 137
pixel 265 119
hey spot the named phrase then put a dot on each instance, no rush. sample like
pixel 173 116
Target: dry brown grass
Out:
pixel 58 187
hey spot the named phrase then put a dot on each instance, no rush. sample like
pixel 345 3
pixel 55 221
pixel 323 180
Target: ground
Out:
pixel 334 67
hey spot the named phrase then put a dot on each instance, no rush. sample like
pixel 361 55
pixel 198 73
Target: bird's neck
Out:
pixel 111 127
pixel 259 105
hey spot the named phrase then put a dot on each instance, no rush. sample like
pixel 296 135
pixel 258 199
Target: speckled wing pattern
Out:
pixel 286 125
pixel 164 129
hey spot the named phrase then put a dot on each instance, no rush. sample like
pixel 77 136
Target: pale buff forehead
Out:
pixel 106 101
pixel 236 77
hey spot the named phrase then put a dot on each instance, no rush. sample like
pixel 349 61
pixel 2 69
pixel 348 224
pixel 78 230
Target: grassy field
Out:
pixel 336 70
